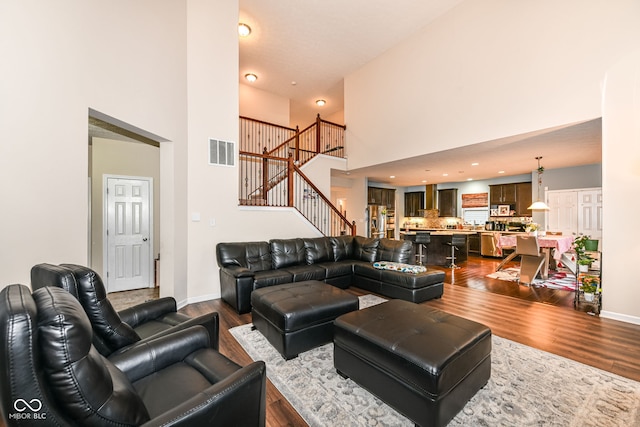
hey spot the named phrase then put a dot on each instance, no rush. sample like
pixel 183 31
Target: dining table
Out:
pixel 551 245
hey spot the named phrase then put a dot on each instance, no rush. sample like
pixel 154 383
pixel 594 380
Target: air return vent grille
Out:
pixel 222 152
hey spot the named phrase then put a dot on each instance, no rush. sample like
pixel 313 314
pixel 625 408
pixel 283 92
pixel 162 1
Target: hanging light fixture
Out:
pixel 539 205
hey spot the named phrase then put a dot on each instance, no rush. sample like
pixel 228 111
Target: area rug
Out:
pixel 558 279
pixel 528 387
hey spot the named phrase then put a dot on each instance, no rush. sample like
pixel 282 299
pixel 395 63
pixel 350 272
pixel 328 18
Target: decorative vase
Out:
pixel 583 268
pixel 588 297
pixel 533 233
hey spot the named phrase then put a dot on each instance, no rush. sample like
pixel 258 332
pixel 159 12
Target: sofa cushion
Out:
pixel 342 247
pixel 365 248
pixel 318 250
pixel 395 250
pixel 256 256
pixel 301 273
pixel 286 252
pixel 337 269
pixel 412 281
pixel 271 277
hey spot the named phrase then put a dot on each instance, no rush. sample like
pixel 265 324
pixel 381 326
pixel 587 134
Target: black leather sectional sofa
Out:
pixel 340 261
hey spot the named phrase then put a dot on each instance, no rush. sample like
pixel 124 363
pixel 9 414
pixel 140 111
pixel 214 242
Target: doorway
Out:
pixel 117 149
pixel 128 233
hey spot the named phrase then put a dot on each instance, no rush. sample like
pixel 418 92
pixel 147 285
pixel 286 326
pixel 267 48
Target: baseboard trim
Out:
pixel 621 317
pixel 193 300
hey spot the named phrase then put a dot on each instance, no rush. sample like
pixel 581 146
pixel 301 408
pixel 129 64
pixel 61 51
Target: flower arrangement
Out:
pixel 531 227
pixel 589 284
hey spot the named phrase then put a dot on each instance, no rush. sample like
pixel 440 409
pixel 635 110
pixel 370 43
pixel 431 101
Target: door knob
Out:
pixel 144 239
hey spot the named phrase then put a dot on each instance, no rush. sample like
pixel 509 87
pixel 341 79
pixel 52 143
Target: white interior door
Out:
pixel 576 212
pixel 563 212
pixel 128 239
pixel 590 213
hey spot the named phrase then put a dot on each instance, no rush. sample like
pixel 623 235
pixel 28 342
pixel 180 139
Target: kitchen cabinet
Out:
pixel 448 202
pixel 523 198
pixel 381 196
pixel 502 194
pixel 516 195
pixel 474 243
pixel 413 203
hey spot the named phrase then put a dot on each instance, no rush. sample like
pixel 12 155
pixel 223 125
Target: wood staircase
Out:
pixel 270 175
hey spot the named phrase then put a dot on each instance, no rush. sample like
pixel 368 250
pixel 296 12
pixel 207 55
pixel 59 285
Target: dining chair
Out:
pixel 531 260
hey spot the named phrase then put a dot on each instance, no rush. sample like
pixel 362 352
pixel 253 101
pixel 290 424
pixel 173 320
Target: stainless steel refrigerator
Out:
pixel 376 221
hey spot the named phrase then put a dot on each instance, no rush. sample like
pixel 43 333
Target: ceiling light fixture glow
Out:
pixel 320 102
pixel 243 30
pixel 251 77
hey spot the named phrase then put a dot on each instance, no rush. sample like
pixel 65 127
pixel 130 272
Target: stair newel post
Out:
pixel 318 122
pixel 265 173
pixel 290 181
pixel 353 228
pixel 297 148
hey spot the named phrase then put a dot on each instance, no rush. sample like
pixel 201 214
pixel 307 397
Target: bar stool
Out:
pixel 422 240
pixel 457 241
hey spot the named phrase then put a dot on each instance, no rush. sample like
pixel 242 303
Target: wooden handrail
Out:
pixel 267 123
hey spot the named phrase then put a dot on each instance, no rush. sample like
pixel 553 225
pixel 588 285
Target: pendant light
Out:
pixel 539 205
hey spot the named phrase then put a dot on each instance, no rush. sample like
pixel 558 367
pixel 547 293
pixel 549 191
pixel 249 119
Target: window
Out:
pixel 476 216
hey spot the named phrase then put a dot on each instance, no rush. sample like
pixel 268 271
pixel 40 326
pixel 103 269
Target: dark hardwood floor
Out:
pixel 537 317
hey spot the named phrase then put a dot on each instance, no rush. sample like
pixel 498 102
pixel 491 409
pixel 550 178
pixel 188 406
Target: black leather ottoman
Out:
pixel 297 317
pixel 421 361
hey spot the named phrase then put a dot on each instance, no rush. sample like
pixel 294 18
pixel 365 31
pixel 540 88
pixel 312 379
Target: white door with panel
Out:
pixel 128 228
pixel 575 212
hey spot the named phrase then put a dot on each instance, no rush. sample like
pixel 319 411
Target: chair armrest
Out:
pixel 146 357
pixel 211 323
pixel 148 310
pixel 239 399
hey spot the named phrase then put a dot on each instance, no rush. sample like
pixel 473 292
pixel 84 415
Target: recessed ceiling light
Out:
pixel 251 77
pixel 500 171
pixel 475 164
pixel 469 179
pixel 243 30
pixel 392 176
pixel 320 102
pixel 445 174
pixel 424 180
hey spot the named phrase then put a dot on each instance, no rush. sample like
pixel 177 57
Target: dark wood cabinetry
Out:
pixel 524 199
pixel 516 195
pixel 502 194
pixel 382 196
pixel 448 202
pixel 414 203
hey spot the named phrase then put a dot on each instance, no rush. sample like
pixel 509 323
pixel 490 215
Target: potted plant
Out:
pixel 580 247
pixel 589 286
pixel 584 263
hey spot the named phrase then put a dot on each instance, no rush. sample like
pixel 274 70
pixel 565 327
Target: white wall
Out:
pixel 67 57
pixel 485 70
pixel 261 105
pixel 620 181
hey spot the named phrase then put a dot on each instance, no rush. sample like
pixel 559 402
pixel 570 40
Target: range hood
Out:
pixel 431 197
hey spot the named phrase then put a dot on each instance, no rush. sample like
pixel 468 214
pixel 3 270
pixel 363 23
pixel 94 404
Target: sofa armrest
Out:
pixel 149 310
pixel 239 399
pixel 146 357
pixel 237 271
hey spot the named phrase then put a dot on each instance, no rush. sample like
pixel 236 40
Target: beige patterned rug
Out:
pixel 528 387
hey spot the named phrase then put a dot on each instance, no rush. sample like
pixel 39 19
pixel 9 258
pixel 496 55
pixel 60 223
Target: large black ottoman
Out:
pixel 421 361
pixel 297 317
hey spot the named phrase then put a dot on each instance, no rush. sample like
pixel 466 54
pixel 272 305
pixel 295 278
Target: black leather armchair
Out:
pixel 114 331
pixel 51 374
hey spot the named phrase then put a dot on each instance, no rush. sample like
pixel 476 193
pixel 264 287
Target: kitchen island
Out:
pixel 438 250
